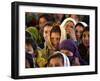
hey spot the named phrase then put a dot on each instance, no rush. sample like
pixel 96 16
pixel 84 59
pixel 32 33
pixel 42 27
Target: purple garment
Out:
pixel 70 45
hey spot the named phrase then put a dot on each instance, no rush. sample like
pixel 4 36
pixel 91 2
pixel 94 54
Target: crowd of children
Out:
pixel 56 40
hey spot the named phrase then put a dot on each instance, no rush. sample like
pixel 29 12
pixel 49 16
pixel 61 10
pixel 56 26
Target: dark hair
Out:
pixel 48 17
pixel 79 24
pixel 56 29
pixel 57 55
pixel 86 29
pixel 74 14
pixel 28 58
pixel 47 24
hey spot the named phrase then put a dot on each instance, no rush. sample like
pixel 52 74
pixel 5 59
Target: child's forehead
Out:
pixel 65 50
pixel 86 32
pixel 47 27
pixel 53 33
pixel 57 59
pixel 79 27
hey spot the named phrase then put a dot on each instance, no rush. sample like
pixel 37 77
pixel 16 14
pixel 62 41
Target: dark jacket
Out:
pixel 84 54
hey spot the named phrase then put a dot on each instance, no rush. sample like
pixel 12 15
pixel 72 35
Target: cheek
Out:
pixel 85 42
pixel 56 42
pixel 83 39
pixel 66 28
pixel 70 54
pixel 29 49
pixel 44 35
pixel 78 34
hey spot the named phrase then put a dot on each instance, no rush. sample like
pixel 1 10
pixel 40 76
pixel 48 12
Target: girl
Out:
pixel 84 46
pixel 31 51
pixel 44 19
pixel 68 29
pixel 69 48
pixel 55 35
pixel 35 34
pixel 51 46
pixel 79 27
pixel 46 33
pixel 58 59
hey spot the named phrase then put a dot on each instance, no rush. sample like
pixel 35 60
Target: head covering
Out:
pixel 69 45
pixel 63 32
pixel 82 24
pixel 35 34
pixel 65 58
pixel 30 40
pixel 66 20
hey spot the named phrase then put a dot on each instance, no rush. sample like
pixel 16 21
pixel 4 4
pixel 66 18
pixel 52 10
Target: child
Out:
pixel 51 46
pixel 58 59
pixel 84 46
pixel 55 35
pixel 69 48
pixel 46 33
pixel 31 51
pixel 68 29
pixel 35 34
pixel 79 27
pixel 44 19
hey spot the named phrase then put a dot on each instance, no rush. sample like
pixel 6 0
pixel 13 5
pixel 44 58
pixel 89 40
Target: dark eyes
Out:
pixel 55 38
pixel 85 35
pixel 78 31
pixel 46 32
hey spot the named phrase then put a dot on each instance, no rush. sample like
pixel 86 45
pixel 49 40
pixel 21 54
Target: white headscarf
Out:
pixel 84 24
pixel 66 20
pixel 63 32
pixel 66 60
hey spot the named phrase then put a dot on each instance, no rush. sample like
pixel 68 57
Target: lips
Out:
pixel 86 43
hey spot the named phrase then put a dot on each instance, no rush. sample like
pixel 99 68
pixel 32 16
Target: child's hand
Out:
pixel 72 34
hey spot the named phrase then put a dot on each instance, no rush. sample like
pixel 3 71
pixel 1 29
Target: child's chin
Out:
pixel 86 45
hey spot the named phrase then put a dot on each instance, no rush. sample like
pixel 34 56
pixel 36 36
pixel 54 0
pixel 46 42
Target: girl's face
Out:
pixel 46 33
pixel 55 62
pixel 66 52
pixel 42 22
pixel 55 39
pixel 69 25
pixel 79 30
pixel 29 49
pixel 85 38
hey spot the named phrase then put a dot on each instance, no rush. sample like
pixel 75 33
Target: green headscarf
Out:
pixel 35 34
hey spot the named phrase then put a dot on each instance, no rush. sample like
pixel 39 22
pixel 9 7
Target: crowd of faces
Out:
pixel 64 34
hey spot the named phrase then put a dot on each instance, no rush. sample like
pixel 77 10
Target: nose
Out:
pixel 78 34
pixel 86 38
